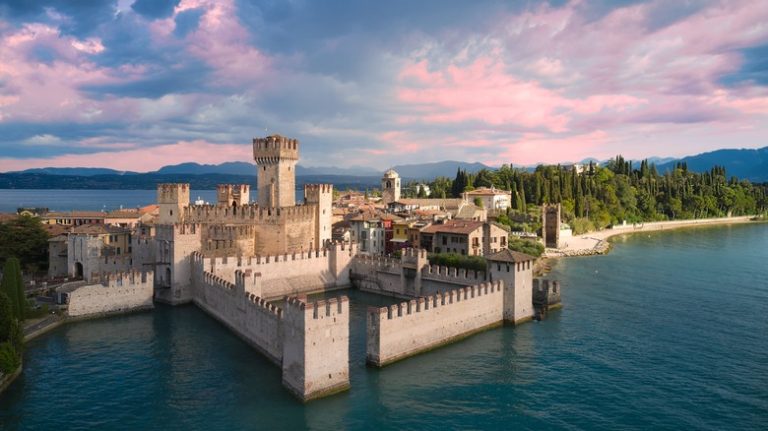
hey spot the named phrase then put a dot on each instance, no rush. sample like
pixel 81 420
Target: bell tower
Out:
pixel 276 158
pixel 390 187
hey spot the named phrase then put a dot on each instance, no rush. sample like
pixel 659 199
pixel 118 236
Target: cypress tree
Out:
pixel 13 286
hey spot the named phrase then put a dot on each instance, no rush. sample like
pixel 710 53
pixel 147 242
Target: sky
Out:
pixel 139 84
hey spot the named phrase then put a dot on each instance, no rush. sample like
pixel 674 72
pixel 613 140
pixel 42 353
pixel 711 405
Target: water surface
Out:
pixel 668 331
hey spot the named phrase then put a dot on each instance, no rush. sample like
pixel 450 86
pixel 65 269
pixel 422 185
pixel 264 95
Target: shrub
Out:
pixel 453 260
pixel 10 360
pixel 529 247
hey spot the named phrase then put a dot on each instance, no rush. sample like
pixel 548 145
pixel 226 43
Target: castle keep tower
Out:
pixel 235 195
pixel 276 158
pixel 390 187
pixel 172 199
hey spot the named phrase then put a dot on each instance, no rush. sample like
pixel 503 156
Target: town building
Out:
pixel 465 237
pixel 491 198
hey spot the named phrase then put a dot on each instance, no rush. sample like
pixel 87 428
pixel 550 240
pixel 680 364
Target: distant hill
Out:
pixel 743 163
pixel 83 172
pixel 149 181
pixel 428 171
pixel 228 168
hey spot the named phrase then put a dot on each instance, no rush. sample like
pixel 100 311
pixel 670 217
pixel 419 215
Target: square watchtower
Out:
pixel 276 157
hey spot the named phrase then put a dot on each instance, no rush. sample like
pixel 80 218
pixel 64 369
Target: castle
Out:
pixel 251 266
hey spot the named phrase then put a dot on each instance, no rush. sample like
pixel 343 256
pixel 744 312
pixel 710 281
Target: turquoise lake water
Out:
pixel 94 200
pixel 668 331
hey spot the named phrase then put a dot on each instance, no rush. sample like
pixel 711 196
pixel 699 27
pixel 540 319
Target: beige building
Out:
pixel 491 198
pixel 465 237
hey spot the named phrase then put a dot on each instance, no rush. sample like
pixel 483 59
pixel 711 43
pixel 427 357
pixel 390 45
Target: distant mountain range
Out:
pixel 743 163
pixel 415 171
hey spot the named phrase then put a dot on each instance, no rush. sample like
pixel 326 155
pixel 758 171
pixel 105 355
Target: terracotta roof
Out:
pixel 149 209
pixel 486 191
pixel 454 226
pixel 76 214
pixel 56 229
pixel 442 203
pixel 508 255
pixel 122 214
pixel 7 216
pixel 98 229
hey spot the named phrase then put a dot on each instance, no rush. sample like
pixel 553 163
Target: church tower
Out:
pixel 390 187
pixel 276 158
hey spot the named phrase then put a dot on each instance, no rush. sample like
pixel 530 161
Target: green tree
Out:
pixel 6 317
pixel 13 286
pixel 24 238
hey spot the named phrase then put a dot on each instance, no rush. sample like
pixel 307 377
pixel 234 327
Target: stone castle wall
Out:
pixel 249 316
pixel 316 347
pixel 408 328
pixel 290 274
pixel 309 340
pixel 116 293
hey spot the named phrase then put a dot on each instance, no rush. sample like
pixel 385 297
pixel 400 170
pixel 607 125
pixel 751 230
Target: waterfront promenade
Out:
pixel 592 243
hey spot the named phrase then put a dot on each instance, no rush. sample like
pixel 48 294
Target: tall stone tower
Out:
pixel 276 158
pixel 390 187
pixel 233 194
pixel 550 225
pixel 322 196
pixel 172 199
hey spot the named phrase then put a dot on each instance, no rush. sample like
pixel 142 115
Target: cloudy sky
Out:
pixel 138 84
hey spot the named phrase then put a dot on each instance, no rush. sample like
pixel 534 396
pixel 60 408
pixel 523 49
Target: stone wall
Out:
pixel 290 274
pixel 310 341
pixel 116 293
pixel 408 328
pixel 316 349
pixel 249 316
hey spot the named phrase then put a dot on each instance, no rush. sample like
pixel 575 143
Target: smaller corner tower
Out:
pixel 276 157
pixel 233 194
pixel 172 199
pixel 322 196
pixel 390 187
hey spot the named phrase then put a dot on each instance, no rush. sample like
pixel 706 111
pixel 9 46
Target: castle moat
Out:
pixel 665 332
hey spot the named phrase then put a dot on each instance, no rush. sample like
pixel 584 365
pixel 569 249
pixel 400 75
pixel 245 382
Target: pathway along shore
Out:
pixel 597 242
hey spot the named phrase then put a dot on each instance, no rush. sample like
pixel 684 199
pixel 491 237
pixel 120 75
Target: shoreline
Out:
pixel 596 242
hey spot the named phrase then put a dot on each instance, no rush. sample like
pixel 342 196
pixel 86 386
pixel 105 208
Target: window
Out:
pixel 445 240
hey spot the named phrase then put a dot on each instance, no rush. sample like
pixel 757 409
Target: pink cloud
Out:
pixel 538 147
pixel 140 159
pixel 484 91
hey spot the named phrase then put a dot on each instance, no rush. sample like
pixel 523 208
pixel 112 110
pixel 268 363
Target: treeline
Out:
pixel 598 196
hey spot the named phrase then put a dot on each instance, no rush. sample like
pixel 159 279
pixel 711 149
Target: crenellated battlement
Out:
pixel 187 229
pixel 317 188
pixel 214 280
pixel 320 309
pixel 262 303
pixel 173 193
pixel 457 275
pixel 273 149
pixel 233 194
pixel 411 327
pixel 439 299
pixel 229 232
pixel 248 214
